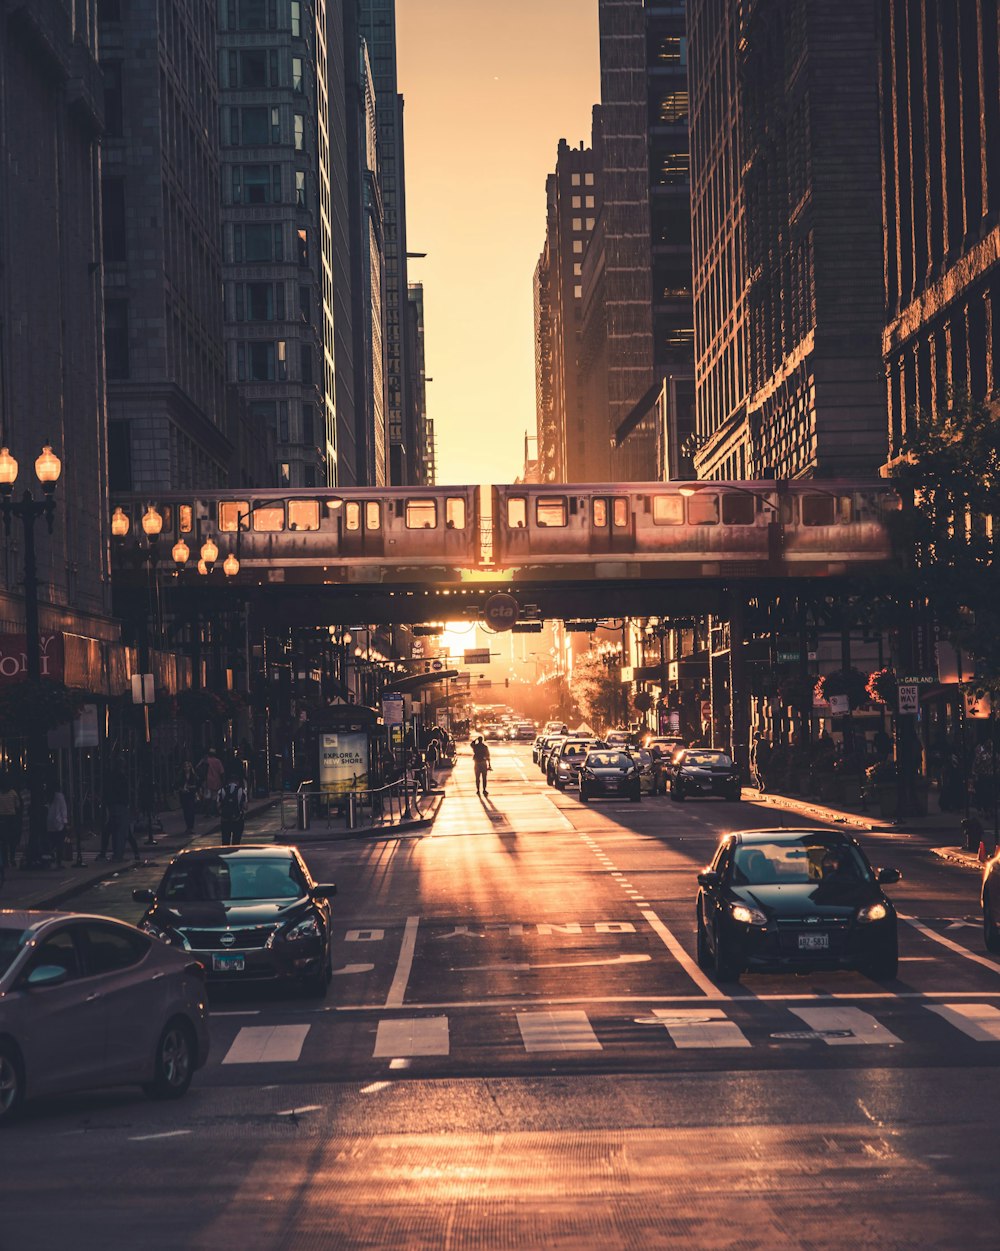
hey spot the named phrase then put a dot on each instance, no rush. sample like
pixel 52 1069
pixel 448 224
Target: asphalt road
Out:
pixel 518 1050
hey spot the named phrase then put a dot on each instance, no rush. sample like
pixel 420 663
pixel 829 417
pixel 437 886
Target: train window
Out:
pixel 550 510
pixel 600 513
pixel 738 510
pixel 668 510
pixel 373 515
pixel 421 514
pixel 185 519
pixel 352 515
pixel 818 510
pixel 167 513
pixel 231 512
pixel 703 510
pixel 269 517
pixel 620 513
pixel 454 513
pixel 517 512
pixel 303 514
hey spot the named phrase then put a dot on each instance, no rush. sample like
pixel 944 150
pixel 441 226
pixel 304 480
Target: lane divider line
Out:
pixel 405 964
pixel 690 967
pixel 951 944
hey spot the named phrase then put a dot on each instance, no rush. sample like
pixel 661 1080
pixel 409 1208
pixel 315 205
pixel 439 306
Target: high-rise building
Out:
pixel 425 452
pixel 51 321
pixel 940 105
pixel 571 447
pixel 378 28
pixel 797 124
pixel 169 421
pixel 277 227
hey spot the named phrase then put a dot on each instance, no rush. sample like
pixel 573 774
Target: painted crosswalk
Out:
pixel 541 1032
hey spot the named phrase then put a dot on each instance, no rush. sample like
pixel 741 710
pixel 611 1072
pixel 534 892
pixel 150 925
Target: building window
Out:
pixel 574 180
pixel 578 246
pixel 306 362
pixel 590 201
pixel 260 362
pixel 674 108
pixel 281 353
pixel 577 268
pixel 300 188
pixel 297 83
pixel 305 303
pixel 251 69
pixel 250 127
pixel 308 413
pixel 296 12
pixel 578 292
pixel 257 241
pixel 264 413
pixel 589 180
pixel 300 132
pixel 113 110
pixel 256 184
pixel 577 223
pixel 252 14
pixel 576 202
pixel 113 219
pixel 302 244
pixel 116 338
pixel 672 50
pixel 674 169
pixel 260 303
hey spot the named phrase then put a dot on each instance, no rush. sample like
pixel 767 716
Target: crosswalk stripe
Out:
pixel 557 1031
pixel 418 1036
pixel 980 1021
pixel 267 1044
pixel 701 1027
pixel 848 1027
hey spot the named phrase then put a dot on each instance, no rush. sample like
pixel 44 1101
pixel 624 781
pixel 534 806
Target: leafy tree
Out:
pixel 595 690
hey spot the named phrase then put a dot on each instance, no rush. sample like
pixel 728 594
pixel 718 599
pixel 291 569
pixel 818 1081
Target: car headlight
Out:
pixel 747 915
pixel 874 912
pixel 308 927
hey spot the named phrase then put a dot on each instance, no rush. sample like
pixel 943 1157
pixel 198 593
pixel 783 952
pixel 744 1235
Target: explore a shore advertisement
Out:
pixel 343 762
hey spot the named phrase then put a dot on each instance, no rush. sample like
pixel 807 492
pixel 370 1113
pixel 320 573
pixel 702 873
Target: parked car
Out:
pixel 795 899
pixel 86 1001
pixel 991 903
pixel 548 746
pixel 664 745
pixel 652 772
pixel 623 739
pixel 699 771
pixel 556 727
pixel 250 913
pixel 566 760
pixel 607 771
pixel 536 747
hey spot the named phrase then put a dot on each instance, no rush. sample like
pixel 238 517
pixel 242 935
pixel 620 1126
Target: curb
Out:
pixel 967 859
pixel 79 887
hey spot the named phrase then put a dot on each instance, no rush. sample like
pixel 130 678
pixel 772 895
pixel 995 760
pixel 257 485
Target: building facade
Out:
pixel 940 109
pixel 277 228
pixel 171 424
pixel 424 446
pixel 811 307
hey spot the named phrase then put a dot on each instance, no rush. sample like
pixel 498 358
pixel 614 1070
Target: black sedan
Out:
pixel 699 771
pixel 608 772
pixel 794 899
pixel 248 913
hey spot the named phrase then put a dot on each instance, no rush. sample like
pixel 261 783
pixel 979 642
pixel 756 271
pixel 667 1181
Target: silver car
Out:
pixel 86 1001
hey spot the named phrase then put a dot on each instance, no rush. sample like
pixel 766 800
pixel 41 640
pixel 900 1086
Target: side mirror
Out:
pixel 708 878
pixel 46 975
pixel 325 890
pixel 142 894
pixel 886 877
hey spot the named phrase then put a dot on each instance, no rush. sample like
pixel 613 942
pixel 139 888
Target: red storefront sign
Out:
pixel 14 657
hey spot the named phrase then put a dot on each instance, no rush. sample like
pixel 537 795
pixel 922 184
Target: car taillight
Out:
pixel 196 969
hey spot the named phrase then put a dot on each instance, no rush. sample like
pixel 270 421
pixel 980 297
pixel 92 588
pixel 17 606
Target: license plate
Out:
pixel 229 963
pixel 814 942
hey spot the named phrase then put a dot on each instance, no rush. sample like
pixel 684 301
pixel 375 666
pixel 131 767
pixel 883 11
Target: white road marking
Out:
pixel 414 1036
pixel 700 1027
pixel 267 1044
pixel 681 956
pixel 952 946
pixel 634 958
pixel 557 1031
pixel 864 1029
pixel 173 1133
pixel 980 1021
pixel 373 1087
pixel 353 968
pixel 253 1012
pixel 309 1107
pixel 402 975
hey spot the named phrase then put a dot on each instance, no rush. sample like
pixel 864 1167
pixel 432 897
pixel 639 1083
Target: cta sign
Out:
pixel 14 657
pixel 501 611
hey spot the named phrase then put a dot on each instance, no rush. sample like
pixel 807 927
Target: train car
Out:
pixel 363 529
pixel 798 527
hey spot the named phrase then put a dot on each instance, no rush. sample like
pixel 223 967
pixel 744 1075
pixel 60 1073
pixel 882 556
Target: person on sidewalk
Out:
pixel 760 759
pixel 481 763
pixel 56 823
pixel 118 797
pixel 10 822
pixel 188 786
pixel 212 773
pixel 232 809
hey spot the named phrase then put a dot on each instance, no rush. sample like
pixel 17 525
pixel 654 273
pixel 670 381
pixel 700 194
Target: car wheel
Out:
pixel 175 1061
pixel 725 968
pixel 560 786
pixel 549 780
pixel 885 966
pixel 991 934
pixel 677 795
pixel 703 955
pixel 584 795
pixel 317 985
pixel 11 1083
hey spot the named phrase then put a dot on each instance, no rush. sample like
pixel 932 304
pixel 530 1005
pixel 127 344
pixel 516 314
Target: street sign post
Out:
pixel 909 698
pixel 476 656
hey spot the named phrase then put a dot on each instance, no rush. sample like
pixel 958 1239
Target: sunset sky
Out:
pixel 490 89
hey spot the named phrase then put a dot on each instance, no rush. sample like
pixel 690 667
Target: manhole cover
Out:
pixel 798 1035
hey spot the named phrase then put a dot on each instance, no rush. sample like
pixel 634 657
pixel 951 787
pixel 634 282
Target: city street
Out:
pixel 518 1049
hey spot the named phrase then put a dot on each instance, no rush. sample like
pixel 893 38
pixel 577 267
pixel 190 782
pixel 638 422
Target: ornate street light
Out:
pixel 152 523
pixel 120 523
pixel 209 553
pixel 181 553
pixel 230 566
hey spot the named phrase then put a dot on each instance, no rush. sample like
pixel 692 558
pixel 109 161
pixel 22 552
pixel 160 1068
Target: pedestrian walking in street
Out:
pixel 481 763
pixel 188 786
pixel 11 811
pixel 118 798
pixel 56 823
pixel 212 773
pixel 232 809
pixel 760 758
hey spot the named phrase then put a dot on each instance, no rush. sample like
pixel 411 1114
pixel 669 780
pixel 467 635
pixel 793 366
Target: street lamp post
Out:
pixel 28 510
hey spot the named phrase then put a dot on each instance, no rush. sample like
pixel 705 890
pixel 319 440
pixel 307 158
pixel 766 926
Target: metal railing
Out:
pixel 387 805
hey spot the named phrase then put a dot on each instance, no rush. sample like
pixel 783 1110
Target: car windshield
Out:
pixel 707 760
pixel 231 878
pixel 575 749
pixel 11 942
pixel 608 760
pixel 802 862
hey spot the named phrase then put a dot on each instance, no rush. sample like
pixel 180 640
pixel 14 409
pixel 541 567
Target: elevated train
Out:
pixel 669 530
